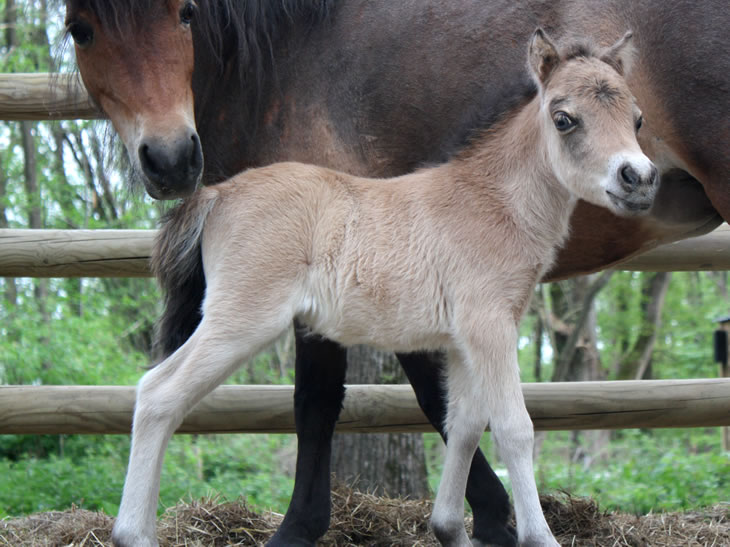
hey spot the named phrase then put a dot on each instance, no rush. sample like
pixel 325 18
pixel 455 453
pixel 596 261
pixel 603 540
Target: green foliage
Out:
pixel 644 471
pixel 232 466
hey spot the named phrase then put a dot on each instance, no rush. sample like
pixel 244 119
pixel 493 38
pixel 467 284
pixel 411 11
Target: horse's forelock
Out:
pixel 118 17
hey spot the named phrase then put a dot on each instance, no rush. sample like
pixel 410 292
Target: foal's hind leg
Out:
pixel 318 396
pixel 484 491
pixel 165 394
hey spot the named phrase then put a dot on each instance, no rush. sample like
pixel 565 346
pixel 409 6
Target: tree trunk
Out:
pixel 10 19
pixel 636 364
pixel 10 289
pixel 576 350
pixel 387 463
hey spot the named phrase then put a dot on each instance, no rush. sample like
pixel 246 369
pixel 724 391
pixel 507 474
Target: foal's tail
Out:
pixel 177 262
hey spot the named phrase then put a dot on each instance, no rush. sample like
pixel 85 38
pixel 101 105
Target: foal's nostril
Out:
pixel 629 176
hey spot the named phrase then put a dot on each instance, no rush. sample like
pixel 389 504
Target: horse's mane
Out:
pixel 245 31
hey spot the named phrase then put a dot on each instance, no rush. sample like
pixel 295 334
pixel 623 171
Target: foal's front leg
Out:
pixel 484 386
pixel 465 423
pixel 484 491
pixel 492 355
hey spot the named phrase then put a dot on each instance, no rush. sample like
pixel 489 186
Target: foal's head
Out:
pixel 136 60
pixel 590 120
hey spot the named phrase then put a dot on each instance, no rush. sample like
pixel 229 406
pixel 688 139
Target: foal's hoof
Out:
pixel 503 536
pixel 120 539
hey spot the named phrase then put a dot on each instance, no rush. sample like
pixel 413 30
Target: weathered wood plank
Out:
pixel 75 253
pixel 44 97
pixel 710 252
pixel 370 408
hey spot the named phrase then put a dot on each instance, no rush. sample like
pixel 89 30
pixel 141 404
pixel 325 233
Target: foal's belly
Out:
pixel 353 317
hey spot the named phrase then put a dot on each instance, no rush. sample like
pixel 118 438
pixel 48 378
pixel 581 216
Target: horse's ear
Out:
pixel 621 54
pixel 542 56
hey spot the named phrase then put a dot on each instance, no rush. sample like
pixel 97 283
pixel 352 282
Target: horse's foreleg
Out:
pixel 484 491
pixel 318 396
pixel 493 359
pixel 164 396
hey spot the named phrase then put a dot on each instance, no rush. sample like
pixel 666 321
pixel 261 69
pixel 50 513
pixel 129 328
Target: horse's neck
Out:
pixel 507 172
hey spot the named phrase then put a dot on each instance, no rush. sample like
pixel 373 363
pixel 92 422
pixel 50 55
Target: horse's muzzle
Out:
pixel 171 168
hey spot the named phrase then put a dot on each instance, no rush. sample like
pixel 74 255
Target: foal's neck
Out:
pixel 507 167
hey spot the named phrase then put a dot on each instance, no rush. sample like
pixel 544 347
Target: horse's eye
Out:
pixel 563 122
pixel 187 12
pixel 639 123
pixel 82 33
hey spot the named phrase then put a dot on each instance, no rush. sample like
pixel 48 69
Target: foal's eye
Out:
pixel 187 12
pixel 82 33
pixel 639 123
pixel 563 122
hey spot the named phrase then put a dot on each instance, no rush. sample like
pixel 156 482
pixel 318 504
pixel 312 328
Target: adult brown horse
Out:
pixel 379 88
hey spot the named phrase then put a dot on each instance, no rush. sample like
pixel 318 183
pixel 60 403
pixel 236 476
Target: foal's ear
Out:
pixel 542 56
pixel 621 55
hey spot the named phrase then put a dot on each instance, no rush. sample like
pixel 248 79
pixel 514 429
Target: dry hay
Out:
pixel 364 519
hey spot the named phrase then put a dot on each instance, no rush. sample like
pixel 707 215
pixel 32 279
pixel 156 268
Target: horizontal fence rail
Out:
pixel 75 253
pixel 370 408
pixel 44 97
pixel 125 253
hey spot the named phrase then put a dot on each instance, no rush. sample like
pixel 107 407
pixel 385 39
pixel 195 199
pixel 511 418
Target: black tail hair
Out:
pixel 177 263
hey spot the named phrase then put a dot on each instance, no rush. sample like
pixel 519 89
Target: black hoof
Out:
pixel 501 534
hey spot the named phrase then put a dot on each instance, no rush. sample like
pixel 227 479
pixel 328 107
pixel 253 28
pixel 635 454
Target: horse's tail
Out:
pixel 177 262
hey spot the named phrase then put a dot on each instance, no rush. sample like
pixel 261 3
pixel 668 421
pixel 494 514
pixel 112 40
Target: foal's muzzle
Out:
pixel 171 168
pixel 635 189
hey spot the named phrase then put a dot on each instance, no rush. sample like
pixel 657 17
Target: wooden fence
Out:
pixel 392 408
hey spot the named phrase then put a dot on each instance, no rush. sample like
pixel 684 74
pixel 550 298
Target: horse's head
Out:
pixel 136 60
pixel 590 120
